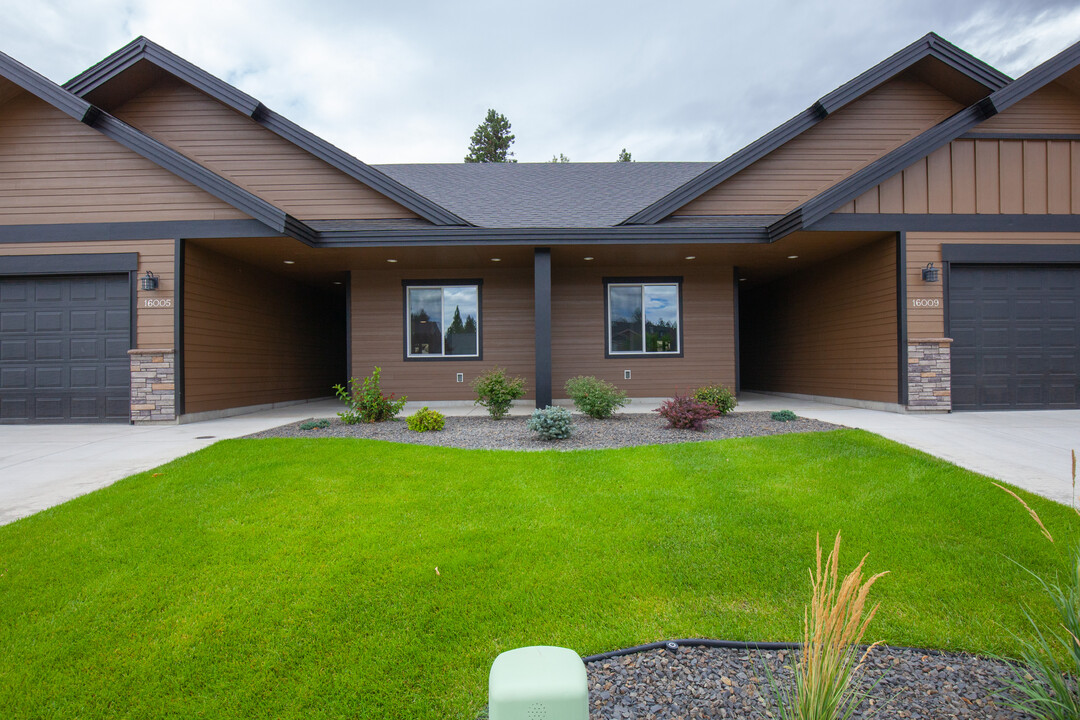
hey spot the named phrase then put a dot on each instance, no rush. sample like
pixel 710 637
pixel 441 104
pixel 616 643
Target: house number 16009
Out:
pixel 925 302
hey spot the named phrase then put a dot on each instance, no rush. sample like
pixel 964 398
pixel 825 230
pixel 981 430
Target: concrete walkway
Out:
pixel 44 465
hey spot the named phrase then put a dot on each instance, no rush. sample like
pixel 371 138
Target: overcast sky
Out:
pixel 395 82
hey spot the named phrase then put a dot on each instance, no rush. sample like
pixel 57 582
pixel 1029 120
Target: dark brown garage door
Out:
pixel 63 348
pixel 1016 345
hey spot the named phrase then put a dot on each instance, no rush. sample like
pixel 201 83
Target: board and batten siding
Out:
pixel 378 331
pixel 832 150
pixel 153 326
pixel 927 320
pixel 238 148
pixel 828 330
pixel 253 337
pixel 54 169
pixel 579 336
pixel 985 177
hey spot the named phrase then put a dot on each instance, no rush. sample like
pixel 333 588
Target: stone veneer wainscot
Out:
pixel 929 374
pixel 153 385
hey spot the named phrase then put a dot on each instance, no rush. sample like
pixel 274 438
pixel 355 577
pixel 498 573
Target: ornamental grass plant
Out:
pixel 833 626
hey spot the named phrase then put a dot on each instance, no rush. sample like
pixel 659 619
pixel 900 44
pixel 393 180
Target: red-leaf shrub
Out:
pixel 684 412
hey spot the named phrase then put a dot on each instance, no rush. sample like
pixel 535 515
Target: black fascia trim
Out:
pixel 646 280
pixel 1011 254
pixel 548 236
pixel 894 222
pixel 1018 136
pixel 901 319
pixel 938 136
pixel 542 325
pixel 196 174
pixel 930 45
pixel 143 48
pixel 406 284
pixel 39 85
pixel 882 169
pixel 723 170
pixel 90 263
pixel 1036 78
pixel 178 326
pixel 91 232
pixel 356 169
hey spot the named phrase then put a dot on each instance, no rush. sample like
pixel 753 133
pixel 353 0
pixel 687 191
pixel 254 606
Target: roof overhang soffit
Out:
pixel 95 82
pixel 152 150
pixel 935 60
pixel 804 216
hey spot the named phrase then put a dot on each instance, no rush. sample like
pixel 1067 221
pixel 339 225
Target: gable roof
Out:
pixel 94 83
pixel 164 156
pixel 940 60
pixel 551 195
pixel 945 132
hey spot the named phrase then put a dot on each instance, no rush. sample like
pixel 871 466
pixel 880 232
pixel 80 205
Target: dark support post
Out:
pixel 542 322
pixel 901 319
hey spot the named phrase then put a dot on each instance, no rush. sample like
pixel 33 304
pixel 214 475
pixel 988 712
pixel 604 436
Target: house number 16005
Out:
pixel 925 302
pixel 157 302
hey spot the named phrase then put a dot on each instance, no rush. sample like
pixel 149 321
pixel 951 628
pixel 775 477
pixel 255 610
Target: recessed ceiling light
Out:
pixel 390 260
pixel 290 262
pixel 496 259
pixel 792 257
pixel 588 257
pixel 337 282
pixel 742 279
pixel 691 257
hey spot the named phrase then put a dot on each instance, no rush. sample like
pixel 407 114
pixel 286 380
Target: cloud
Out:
pixel 409 82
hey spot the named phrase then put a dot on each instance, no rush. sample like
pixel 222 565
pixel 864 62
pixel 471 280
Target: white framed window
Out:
pixel 643 316
pixel 442 319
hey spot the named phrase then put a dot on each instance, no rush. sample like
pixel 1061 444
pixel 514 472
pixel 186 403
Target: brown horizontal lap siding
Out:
pixel 252 337
pixel 708 331
pixel 1052 109
pixel 830 151
pixel 154 326
pixel 828 330
pixel 54 169
pixel 378 326
pixel 992 176
pixel 923 248
pixel 251 156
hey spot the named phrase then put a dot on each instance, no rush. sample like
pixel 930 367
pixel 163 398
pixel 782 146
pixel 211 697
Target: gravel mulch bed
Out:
pixel 700 682
pixel 510 433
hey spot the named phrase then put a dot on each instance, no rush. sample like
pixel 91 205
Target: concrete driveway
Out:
pixel 44 465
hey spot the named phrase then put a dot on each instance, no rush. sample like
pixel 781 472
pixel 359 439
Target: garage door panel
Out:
pixel 64 344
pixel 13 350
pixel 1016 343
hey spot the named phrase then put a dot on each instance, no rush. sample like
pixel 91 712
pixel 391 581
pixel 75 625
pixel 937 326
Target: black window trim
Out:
pixel 442 282
pixel 650 280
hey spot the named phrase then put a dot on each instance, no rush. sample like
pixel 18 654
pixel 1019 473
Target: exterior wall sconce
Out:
pixel 149 281
pixel 930 273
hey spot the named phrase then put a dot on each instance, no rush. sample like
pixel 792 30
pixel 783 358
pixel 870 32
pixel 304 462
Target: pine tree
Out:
pixel 624 156
pixel 492 140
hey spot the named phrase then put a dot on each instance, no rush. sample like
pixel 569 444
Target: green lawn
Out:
pixel 296 578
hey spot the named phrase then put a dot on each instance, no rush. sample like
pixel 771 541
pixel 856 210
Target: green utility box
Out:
pixel 538 683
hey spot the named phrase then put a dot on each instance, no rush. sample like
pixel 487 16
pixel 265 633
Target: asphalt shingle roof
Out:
pixel 563 195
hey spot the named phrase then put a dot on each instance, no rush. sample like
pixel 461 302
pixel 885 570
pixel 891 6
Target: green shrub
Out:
pixel 595 397
pixel 784 416
pixel 718 396
pixel 424 420
pixel 367 403
pixel 495 391
pixel 551 423
pixel 315 424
